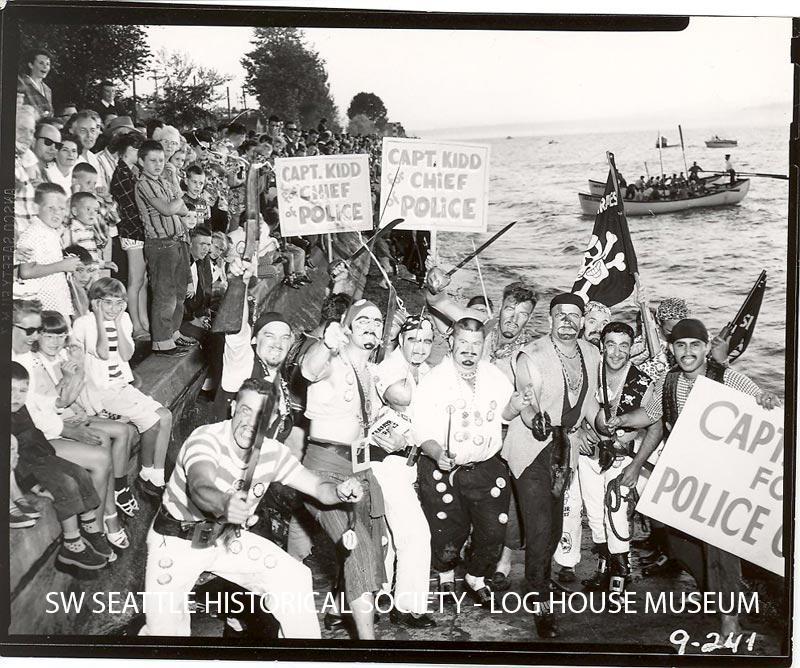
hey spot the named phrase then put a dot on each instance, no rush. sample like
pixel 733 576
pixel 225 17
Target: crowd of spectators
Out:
pixel 123 235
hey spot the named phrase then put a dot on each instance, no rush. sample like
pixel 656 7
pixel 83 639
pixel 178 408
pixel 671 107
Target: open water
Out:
pixel 711 257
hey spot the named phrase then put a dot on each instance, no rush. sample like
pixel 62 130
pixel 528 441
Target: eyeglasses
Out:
pixel 114 302
pixel 30 331
pixel 54 337
pixel 49 142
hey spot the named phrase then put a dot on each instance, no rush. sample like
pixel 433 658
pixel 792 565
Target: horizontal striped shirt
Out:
pixel 156 225
pixel 214 443
pixel 82 235
pixel 114 367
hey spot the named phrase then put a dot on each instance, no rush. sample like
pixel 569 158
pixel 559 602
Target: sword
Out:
pixel 381 231
pixel 481 248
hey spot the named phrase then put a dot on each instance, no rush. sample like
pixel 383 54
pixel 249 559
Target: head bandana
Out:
pixel 597 306
pixel 265 318
pixel 689 328
pixel 355 309
pixel 673 308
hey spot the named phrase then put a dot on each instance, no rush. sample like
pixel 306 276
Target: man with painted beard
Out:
pixel 568 553
pixel 397 377
pixel 560 373
pixel 713 569
pixel 505 335
pixel 457 413
pixel 342 404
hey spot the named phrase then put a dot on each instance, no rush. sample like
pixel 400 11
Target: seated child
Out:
pixel 105 335
pixel 71 487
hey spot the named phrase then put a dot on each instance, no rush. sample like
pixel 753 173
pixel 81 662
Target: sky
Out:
pixel 719 71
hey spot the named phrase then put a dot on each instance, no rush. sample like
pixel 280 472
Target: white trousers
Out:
pixel 568 551
pixel 410 542
pixel 250 561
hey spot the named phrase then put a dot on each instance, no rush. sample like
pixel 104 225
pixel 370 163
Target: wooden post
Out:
pixel 228 93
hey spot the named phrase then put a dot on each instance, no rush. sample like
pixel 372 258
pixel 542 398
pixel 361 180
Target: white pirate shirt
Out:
pixel 475 420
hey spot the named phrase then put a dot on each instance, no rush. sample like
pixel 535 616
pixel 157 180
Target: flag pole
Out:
pixel 685 168
pixel 648 325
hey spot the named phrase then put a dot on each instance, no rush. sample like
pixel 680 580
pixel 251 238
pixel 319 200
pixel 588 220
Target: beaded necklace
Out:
pixel 574 386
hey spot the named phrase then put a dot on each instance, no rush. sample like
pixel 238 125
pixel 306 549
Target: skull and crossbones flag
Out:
pixel 609 262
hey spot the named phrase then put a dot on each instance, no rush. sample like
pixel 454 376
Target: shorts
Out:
pixel 130 244
pixel 130 403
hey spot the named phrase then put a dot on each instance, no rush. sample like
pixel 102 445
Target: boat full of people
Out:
pixel 716 195
pixel 599 187
pixel 717 142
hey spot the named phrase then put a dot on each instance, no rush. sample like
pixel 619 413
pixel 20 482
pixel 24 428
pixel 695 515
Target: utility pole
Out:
pixel 155 81
pixel 228 93
pixel 244 99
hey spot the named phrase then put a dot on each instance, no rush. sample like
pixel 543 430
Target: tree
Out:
pixel 289 78
pixel 84 55
pixel 371 106
pixel 186 92
pixel 361 125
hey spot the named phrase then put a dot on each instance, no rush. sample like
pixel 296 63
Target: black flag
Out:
pixel 740 329
pixel 609 263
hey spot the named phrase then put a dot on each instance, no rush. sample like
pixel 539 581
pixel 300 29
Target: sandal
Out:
pixel 118 539
pixel 126 501
pixel 186 342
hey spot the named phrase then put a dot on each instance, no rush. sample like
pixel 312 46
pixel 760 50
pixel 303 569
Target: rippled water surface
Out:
pixel 711 257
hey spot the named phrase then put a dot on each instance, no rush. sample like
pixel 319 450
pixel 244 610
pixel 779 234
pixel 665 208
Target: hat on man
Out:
pixel 568 298
pixel 689 328
pixel 265 318
pixel 118 124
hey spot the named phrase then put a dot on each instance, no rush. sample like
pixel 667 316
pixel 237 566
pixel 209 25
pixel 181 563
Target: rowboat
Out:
pixel 716 142
pixel 722 195
pixel 599 187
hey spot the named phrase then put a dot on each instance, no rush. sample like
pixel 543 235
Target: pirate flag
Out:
pixel 609 263
pixel 740 329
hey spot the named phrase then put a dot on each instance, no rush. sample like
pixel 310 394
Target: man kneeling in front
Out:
pixel 207 506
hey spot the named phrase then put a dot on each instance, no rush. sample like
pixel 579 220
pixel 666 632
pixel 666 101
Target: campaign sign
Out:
pixel 720 476
pixel 435 185
pixel 323 193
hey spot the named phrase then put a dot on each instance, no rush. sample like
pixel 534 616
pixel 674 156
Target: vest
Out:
pixel 669 397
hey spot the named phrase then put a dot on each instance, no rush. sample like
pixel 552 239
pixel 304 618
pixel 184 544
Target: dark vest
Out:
pixel 282 424
pixel 669 397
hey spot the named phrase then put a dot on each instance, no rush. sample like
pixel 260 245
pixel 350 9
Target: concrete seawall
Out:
pixel 47 601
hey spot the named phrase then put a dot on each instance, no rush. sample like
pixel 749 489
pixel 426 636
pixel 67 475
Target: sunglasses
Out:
pixel 49 142
pixel 30 331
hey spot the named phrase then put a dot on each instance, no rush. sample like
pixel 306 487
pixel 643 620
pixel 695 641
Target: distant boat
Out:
pixel 717 142
pixel 599 187
pixel 664 143
pixel 509 137
pixel 732 194
pixel 552 141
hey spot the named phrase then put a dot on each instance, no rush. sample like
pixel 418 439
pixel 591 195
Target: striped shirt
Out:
pixel 114 368
pixel 156 225
pixel 82 235
pixel 214 443
pixel 732 379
